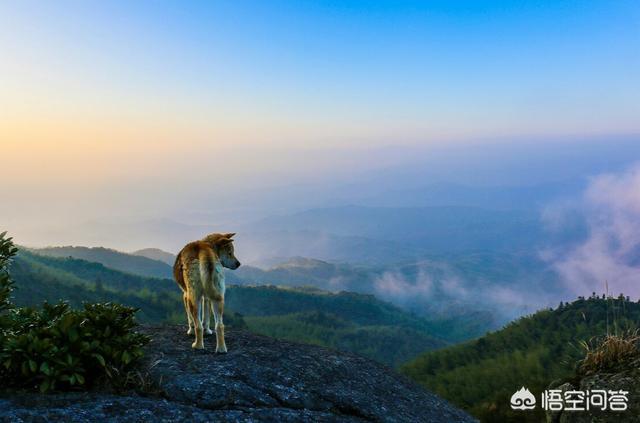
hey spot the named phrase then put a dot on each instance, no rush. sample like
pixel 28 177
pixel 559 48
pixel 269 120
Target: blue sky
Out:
pixel 338 70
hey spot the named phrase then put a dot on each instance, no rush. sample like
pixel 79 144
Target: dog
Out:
pixel 199 272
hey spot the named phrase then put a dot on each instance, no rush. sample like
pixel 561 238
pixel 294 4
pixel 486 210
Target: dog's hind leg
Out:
pixel 207 315
pixel 218 311
pixel 195 304
pixel 185 299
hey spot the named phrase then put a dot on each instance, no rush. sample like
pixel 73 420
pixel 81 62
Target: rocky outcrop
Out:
pixel 260 379
pixel 625 376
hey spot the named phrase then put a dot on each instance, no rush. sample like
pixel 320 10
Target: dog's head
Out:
pixel 223 246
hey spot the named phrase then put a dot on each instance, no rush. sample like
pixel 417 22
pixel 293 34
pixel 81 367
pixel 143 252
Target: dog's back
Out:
pixel 196 261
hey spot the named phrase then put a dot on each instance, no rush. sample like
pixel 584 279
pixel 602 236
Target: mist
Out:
pixel 228 192
pixel 610 255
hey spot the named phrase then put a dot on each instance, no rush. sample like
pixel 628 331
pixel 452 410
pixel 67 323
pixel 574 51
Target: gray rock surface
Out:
pixel 260 379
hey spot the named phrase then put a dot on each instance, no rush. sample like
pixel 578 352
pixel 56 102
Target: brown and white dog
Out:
pixel 198 270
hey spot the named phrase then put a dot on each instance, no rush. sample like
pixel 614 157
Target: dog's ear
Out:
pixel 229 235
pixel 223 241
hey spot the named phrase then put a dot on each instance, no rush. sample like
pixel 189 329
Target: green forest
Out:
pixel 113 259
pixel 533 351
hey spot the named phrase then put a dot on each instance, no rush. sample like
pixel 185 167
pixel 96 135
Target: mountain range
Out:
pixel 348 321
pixel 438 285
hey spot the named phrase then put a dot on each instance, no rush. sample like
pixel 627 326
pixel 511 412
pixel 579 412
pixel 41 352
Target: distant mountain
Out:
pixel 407 224
pixel 156 254
pixel 264 245
pixel 502 285
pixel 126 234
pixel 521 197
pixel 388 234
pixel 480 376
pixel 300 271
pixel 131 263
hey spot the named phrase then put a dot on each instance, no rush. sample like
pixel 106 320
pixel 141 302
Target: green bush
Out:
pixel 7 252
pixel 55 347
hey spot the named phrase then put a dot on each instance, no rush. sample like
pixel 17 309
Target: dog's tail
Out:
pixel 206 261
pixel 177 272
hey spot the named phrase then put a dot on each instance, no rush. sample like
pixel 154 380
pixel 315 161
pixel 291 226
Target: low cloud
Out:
pixel 397 287
pixel 611 252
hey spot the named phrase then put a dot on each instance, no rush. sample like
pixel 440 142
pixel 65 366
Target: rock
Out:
pixel 626 376
pixel 260 379
pixel 555 416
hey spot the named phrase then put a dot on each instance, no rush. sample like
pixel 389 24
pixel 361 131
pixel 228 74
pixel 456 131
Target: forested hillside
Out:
pixel 39 278
pixel 131 263
pixel 454 287
pixel 480 376
pixel 347 321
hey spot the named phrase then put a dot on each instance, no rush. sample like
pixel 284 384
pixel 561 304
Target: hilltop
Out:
pixel 156 254
pixel 260 379
pixel 130 263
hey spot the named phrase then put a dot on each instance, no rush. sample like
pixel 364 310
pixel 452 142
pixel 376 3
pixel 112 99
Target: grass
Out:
pixel 604 353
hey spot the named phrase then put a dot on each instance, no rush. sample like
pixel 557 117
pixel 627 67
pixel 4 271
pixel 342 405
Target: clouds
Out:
pixel 435 288
pixel 397 287
pixel 611 251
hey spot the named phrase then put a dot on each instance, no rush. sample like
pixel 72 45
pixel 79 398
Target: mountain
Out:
pixel 468 272
pixel 368 326
pixel 156 254
pixel 480 291
pixel 387 235
pixel 500 197
pixel 41 278
pixel 117 260
pixel 260 379
pixel 345 321
pixel 502 284
pixel 299 271
pixel 445 228
pixel 481 375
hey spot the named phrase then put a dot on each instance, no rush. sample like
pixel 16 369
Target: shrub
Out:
pixel 55 347
pixel 7 251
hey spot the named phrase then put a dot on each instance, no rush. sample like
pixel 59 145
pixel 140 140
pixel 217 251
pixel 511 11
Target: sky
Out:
pixel 127 108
